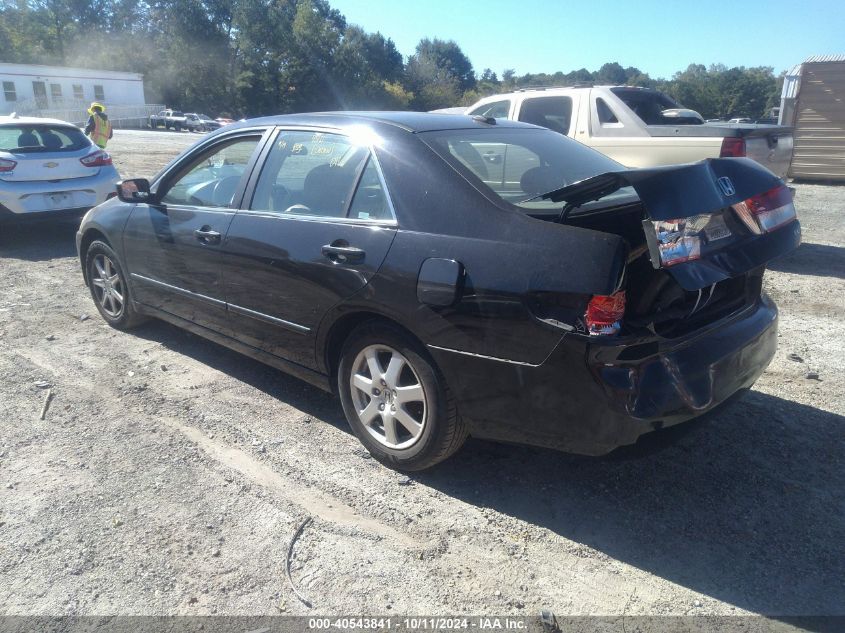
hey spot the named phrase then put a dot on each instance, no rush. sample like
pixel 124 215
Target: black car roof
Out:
pixel 409 121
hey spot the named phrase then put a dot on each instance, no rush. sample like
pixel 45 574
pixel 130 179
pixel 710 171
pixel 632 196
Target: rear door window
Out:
pixel 321 174
pixel 554 113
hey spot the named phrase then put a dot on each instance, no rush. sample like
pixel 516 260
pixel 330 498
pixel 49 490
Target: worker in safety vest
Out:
pixel 98 126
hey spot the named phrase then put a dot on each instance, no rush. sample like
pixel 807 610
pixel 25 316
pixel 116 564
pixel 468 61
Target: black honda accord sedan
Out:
pixel 450 276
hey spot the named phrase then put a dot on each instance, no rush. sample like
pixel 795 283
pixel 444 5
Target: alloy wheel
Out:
pixel 389 397
pixel 107 286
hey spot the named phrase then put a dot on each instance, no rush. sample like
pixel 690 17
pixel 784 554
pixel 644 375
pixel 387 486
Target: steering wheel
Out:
pixel 224 190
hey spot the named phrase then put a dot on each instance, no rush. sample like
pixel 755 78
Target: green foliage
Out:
pixel 254 57
pixel 720 92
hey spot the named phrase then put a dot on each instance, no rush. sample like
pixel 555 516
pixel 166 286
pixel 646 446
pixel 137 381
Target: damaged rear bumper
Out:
pixel 591 397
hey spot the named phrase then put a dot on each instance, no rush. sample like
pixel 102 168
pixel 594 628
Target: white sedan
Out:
pixel 50 169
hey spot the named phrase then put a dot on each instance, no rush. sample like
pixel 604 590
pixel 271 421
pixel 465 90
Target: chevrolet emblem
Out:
pixel 50 165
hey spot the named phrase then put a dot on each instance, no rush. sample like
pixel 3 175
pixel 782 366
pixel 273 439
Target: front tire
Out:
pixel 107 283
pixel 395 399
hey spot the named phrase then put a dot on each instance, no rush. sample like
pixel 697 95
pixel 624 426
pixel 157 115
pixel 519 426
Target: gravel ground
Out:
pixel 170 473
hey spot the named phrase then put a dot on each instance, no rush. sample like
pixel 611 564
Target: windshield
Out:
pixel 32 139
pixel 518 164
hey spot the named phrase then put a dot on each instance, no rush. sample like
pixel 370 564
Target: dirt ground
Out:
pixel 170 474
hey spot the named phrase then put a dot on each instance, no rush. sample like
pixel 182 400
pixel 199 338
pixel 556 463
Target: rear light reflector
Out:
pixel 767 211
pixel 7 165
pixel 732 147
pixel 604 314
pixel 97 159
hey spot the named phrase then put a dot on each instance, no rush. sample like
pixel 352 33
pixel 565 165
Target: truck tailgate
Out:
pixel 770 146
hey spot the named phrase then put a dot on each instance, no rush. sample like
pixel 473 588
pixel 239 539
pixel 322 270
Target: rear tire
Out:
pixel 107 283
pixel 395 399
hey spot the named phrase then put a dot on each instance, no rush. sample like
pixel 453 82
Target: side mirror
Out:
pixel 134 190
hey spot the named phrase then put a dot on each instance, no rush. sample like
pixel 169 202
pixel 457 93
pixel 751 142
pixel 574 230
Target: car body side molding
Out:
pixel 177 290
pixel 289 325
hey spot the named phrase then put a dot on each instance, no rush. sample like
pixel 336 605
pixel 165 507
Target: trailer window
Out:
pixel 99 93
pixel 56 94
pixel 9 91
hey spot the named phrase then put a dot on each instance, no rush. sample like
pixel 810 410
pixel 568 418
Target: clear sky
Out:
pixel 658 37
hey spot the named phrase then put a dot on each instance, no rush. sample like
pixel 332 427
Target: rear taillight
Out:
pixel 732 147
pixel 97 159
pixel 767 211
pixel 7 165
pixel 604 314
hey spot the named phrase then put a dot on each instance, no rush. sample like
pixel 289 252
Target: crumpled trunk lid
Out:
pixel 697 190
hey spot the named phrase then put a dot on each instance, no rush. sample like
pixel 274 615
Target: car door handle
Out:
pixel 343 254
pixel 207 236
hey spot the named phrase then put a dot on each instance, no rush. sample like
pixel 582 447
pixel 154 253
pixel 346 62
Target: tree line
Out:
pixel 255 57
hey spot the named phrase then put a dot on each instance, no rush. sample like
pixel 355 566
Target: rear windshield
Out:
pixel 516 165
pixel 650 104
pixel 33 139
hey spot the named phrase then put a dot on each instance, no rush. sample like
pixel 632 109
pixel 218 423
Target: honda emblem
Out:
pixel 726 186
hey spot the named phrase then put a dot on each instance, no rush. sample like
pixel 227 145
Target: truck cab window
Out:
pixel 496 110
pixel 606 115
pixel 554 113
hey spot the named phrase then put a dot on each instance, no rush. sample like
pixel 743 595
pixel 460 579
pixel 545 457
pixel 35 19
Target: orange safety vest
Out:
pixel 101 132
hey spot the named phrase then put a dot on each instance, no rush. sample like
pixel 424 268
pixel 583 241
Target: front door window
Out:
pixel 212 179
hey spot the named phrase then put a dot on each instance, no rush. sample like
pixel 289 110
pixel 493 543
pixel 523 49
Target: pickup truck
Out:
pixel 200 123
pixel 639 127
pixel 169 119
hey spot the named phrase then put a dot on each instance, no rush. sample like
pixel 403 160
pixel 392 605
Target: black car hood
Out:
pixel 677 191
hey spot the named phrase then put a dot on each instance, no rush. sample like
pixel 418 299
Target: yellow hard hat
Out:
pixel 96 104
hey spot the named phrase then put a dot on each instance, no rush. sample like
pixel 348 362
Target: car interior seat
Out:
pixel 51 140
pixel 540 179
pixel 28 139
pixel 327 188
